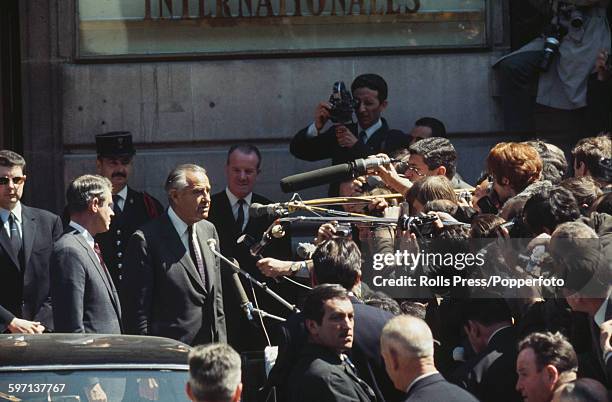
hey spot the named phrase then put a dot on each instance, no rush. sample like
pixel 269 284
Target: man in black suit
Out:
pixel 172 285
pixel 491 374
pixel 338 261
pixel 407 349
pixel 229 212
pixel 82 292
pixel 26 240
pixel 132 208
pixel 585 258
pixel 323 372
pixel 606 345
pixel 544 363
pixel 347 141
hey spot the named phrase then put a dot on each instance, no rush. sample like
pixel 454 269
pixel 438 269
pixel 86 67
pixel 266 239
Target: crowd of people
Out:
pixel 118 262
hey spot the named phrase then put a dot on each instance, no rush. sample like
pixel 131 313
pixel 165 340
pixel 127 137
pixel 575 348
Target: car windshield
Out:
pixel 85 385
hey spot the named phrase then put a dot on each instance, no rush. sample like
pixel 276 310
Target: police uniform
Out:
pixel 137 208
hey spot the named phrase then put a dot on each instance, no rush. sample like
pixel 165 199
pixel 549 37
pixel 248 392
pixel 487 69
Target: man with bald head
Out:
pixel 407 348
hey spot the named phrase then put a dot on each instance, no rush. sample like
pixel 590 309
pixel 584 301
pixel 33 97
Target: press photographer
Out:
pixel 347 140
pixel 561 61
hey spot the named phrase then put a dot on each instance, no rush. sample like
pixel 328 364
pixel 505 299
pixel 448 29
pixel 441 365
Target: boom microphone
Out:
pixel 245 304
pixel 274 210
pixel 331 174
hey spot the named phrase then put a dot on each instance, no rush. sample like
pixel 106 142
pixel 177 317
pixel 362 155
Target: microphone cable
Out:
pixel 261 320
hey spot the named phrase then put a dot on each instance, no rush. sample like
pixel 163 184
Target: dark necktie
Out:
pixel 15 236
pixel 363 137
pixel 99 254
pixel 240 218
pixel 116 208
pixel 351 371
pixel 196 254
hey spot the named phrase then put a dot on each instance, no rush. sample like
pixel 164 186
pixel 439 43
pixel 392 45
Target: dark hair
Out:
pixel 372 81
pixel 9 159
pixel 313 304
pixel 551 349
pixel 436 152
pixel 337 261
pixel 448 206
pixel 585 189
pixel 486 311
pixel 554 164
pixel 245 149
pixel 591 150
pixel 382 301
pixel 414 309
pixel 484 226
pixel 437 127
pixel 549 208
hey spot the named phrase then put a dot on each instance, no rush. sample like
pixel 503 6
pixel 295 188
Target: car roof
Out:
pixel 20 350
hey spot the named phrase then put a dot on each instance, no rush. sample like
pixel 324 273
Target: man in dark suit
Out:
pixel 229 212
pixel 82 292
pixel 26 240
pixel 132 208
pixel 323 372
pixel 338 261
pixel 491 374
pixel 347 141
pixel 585 258
pixel 172 285
pixel 407 349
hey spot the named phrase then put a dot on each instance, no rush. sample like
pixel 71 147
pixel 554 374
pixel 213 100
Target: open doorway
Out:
pixel 10 77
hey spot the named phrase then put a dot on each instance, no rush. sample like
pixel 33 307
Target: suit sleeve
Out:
pixel 219 313
pixel 5 319
pixel 58 228
pixel 313 148
pixel 137 286
pixel 67 290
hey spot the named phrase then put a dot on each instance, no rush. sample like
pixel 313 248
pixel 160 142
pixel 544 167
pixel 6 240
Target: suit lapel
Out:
pixel 207 255
pixel 29 227
pixel 105 277
pixel 5 242
pixel 229 213
pixel 176 247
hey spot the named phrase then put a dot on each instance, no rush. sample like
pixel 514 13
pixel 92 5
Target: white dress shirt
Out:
pixel 4 215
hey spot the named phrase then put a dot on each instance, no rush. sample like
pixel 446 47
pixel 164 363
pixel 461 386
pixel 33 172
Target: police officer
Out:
pixel 132 208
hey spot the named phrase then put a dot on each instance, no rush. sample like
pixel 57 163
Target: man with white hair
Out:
pixel 171 285
pixel 407 348
pixel 214 374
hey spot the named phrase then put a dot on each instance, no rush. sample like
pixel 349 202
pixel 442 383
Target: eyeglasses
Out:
pixel 17 180
pixel 415 170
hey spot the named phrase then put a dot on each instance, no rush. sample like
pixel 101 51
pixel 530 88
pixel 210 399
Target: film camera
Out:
pixel 343 104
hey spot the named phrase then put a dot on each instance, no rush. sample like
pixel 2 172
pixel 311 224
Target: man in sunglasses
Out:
pixel 132 208
pixel 26 241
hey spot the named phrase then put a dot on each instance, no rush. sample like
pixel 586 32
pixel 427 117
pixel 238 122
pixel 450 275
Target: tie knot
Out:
pixel 363 137
pixel 12 217
pixel 241 201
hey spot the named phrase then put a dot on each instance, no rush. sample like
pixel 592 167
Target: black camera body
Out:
pixel 343 105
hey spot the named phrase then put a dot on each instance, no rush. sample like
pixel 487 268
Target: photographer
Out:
pixel 561 60
pixel 346 141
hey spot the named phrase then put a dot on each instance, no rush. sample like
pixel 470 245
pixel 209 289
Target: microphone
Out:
pixel 275 210
pixel 331 174
pixel 245 304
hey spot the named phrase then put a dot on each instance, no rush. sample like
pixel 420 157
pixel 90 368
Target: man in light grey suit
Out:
pixel 171 282
pixel 82 293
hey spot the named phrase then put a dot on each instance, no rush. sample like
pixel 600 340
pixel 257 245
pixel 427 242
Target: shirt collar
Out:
pixel 4 213
pixel 370 130
pixel 600 315
pixel 123 193
pixel 419 378
pixel 178 223
pixel 83 232
pixel 233 199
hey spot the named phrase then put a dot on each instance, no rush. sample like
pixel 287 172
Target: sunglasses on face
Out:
pixel 16 180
